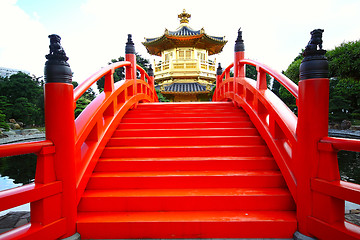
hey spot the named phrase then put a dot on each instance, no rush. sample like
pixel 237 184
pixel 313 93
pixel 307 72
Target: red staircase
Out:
pixel 186 170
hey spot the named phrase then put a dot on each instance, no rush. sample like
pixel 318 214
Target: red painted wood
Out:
pixel 188 224
pixel 185 163
pixel 186 170
pixel 186 179
pixel 185 141
pixel 202 199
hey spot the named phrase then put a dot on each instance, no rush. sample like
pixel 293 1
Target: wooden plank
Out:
pixel 28 193
pixel 339 189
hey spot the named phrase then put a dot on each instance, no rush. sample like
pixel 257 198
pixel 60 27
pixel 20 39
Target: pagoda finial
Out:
pixel 184 17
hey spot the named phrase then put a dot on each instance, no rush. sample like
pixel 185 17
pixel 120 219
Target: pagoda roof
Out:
pixel 193 87
pixel 184 36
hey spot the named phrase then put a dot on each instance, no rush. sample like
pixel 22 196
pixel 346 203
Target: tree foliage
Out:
pixel 84 100
pixel 21 98
pixel 344 61
pixel 344 74
pixel 119 73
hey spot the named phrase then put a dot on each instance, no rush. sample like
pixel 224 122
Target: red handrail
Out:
pixel 84 86
pixel 282 79
pixel 342 143
pixel 23 148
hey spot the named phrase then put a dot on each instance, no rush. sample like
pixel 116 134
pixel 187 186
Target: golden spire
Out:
pixel 184 17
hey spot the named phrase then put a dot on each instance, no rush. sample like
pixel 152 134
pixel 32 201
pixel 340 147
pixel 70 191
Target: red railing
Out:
pixel 68 156
pixel 44 195
pixel 95 125
pixel 305 154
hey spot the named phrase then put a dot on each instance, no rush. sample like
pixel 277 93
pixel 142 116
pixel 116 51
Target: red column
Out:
pixel 151 78
pixel 130 71
pixel 313 108
pixel 217 94
pixel 131 57
pixel 60 127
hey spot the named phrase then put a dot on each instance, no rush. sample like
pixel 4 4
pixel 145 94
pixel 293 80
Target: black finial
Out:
pixel 314 64
pixel 239 43
pixel 150 71
pixel 316 41
pixel 57 53
pixel 129 48
pixel 56 67
pixel 219 70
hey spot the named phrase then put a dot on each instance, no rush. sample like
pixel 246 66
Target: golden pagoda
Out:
pixel 185 74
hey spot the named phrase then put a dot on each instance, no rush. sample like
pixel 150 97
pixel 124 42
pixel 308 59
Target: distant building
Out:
pixel 185 74
pixel 7 72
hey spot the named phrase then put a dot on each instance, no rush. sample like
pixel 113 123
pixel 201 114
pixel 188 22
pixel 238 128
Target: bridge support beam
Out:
pixel 60 128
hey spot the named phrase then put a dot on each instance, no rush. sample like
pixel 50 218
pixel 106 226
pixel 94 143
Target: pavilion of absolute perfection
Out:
pixel 185 74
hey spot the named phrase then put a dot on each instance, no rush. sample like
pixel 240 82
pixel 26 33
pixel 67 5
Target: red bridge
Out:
pixel 242 166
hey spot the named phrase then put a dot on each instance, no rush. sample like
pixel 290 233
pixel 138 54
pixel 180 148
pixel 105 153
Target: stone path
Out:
pixel 22 138
pixel 13 219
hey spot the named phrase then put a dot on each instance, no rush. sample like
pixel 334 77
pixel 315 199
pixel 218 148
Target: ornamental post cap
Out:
pixel 219 70
pixel 57 53
pixel 56 67
pixel 150 71
pixel 184 17
pixel 239 43
pixel 314 46
pixel 314 64
pixel 130 47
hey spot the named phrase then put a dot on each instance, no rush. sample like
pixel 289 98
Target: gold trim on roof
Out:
pixel 184 17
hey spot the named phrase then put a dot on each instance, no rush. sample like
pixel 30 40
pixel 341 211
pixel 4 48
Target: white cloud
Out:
pixel 23 41
pixel 274 31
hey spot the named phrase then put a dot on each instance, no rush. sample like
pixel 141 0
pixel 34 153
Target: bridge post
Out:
pixel 239 69
pixel 313 114
pixel 130 71
pixel 150 72
pixel 60 127
pixel 219 71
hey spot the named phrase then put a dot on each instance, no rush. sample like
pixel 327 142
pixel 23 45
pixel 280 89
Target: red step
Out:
pixel 193 106
pixel 185 163
pixel 184 141
pixel 176 118
pixel 186 170
pixel 201 199
pixel 186 132
pixel 188 151
pixel 170 125
pixel 186 179
pixel 187 224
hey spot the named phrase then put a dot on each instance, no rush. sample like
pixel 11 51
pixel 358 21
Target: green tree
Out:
pixel 21 98
pixel 119 73
pixel 251 72
pixel 344 61
pixel 26 112
pixel 3 123
pixel 161 97
pixel 344 73
pixel 84 100
pixel 292 72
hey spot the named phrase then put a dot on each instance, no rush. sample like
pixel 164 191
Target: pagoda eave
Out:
pixel 202 41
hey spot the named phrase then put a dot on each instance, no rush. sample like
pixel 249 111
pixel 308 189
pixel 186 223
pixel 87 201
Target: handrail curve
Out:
pixel 281 78
pixel 84 86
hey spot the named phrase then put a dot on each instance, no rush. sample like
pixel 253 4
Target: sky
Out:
pixel 95 31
